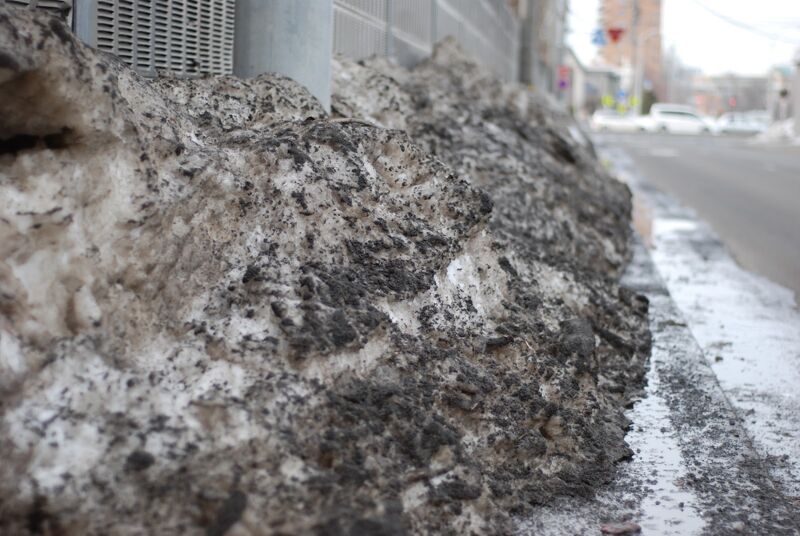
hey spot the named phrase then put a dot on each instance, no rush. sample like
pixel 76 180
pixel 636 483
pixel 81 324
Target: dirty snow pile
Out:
pixel 224 312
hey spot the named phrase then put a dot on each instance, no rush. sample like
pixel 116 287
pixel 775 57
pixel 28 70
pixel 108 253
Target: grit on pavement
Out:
pixel 747 326
pixel 749 193
pixel 717 435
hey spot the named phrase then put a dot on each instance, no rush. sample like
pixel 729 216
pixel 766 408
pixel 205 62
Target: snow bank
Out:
pixel 223 312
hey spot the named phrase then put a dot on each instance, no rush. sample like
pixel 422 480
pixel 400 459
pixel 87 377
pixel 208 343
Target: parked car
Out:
pixel 613 121
pixel 762 118
pixel 711 123
pixel 673 118
pixel 741 123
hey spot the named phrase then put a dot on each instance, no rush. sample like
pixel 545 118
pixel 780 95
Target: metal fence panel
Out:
pixel 359 27
pixel 408 29
pixel 191 37
pixel 186 37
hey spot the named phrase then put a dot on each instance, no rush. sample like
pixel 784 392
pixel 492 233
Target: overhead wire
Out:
pixel 745 26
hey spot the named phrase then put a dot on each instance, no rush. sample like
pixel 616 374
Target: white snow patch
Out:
pixel 749 330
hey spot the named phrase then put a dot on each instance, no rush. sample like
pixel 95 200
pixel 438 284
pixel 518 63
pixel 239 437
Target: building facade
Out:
pixel 640 21
pixel 588 87
pixel 542 36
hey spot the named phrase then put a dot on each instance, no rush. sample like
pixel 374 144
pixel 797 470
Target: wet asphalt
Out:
pixel 695 470
pixel 716 435
pixel 749 193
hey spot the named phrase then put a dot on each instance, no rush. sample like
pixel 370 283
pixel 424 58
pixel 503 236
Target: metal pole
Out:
pixel 639 82
pixel 290 37
pixel 635 45
pixel 796 94
pixel 389 29
pixel 434 22
pixel 84 16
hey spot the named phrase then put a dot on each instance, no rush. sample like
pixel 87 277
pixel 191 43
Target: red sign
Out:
pixel 563 76
pixel 615 33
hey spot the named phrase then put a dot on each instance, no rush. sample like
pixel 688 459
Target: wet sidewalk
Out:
pixel 715 436
pixel 747 327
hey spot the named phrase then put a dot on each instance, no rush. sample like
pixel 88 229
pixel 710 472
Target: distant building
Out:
pixel 640 19
pixel 741 93
pixel 714 95
pixel 601 83
pixel 588 86
pixel 542 49
pixel 704 95
pixel 576 90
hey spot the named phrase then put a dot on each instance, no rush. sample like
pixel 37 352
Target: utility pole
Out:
pixel 636 59
pixel 642 42
pixel 527 53
pixel 796 94
pixel 290 37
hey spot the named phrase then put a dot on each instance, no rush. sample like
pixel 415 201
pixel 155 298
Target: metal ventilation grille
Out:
pixel 186 37
pixel 359 27
pixel 57 7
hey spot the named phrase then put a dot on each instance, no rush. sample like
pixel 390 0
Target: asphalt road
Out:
pixel 750 194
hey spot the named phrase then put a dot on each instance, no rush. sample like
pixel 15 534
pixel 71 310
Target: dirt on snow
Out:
pixel 224 311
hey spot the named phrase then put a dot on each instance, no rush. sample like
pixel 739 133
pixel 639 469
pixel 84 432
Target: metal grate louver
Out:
pixel 185 37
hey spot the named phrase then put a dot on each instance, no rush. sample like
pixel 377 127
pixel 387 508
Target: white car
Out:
pixel 613 121
pixel 741 123
pixel 673 118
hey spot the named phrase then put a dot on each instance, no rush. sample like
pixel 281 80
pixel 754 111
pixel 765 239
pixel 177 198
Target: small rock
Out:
pixel 139 460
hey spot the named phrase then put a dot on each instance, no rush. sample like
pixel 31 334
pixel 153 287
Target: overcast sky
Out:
pixel 704 40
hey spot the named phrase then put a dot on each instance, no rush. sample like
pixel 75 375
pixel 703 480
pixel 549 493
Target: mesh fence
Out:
pixel 191 37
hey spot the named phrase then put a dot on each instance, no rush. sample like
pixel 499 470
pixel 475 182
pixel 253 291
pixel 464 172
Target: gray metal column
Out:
pixel 434 21
pixel 389 28
pixel 795 94
pixel 84 20
pixel 290 37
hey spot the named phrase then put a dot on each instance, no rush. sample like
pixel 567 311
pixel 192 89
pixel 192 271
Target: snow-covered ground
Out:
pixel 779 132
